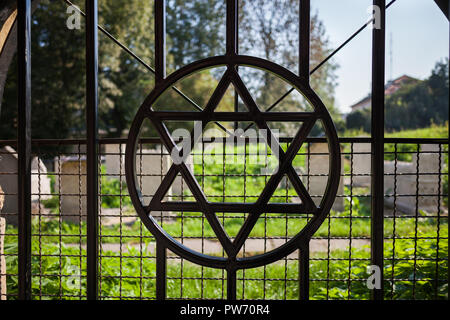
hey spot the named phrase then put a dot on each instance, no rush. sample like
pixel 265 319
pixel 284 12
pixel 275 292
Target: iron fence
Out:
pixel 77 232
pixel 415 224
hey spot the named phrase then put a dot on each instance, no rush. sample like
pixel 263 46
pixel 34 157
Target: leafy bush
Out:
pixel 113 191
pixel 52 204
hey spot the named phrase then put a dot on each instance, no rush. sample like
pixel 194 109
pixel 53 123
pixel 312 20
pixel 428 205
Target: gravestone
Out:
pixel 40 183
pixel 70 183
pixel 423 169
pixel 429 165
pixel 151 167
pixel 154 165
pixel 115 160
pixel 362 162
pixel 398 179
pixel 318 163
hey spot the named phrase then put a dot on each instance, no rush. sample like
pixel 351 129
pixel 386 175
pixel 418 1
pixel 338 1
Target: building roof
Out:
pixel 390 88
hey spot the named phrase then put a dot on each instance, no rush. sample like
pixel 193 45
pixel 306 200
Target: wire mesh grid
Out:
pixel 415 223
pixel 416 227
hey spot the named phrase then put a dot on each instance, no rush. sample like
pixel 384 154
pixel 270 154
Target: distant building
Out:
pixel 390 88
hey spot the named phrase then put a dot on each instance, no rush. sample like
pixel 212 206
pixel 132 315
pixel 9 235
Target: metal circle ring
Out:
pixel 299 240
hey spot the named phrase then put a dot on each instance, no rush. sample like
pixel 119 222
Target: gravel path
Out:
pixel 251 245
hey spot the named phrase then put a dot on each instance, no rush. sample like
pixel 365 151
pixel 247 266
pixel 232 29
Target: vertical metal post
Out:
pixel 232 50
pixel 377 186
pixel 303 270
pixel 232 24
pixel 231 284
pixel 303 70
pixel 304 39
pixel 161 270
pixel 160 40
pixel 160 74
pixel 92 147
pixel 24 145
pixel 236 41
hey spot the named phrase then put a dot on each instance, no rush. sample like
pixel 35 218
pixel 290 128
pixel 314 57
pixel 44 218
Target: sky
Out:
pixel 420 37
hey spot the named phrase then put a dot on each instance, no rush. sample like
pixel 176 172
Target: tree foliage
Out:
pixel 270 29
pixel 417 105
pixel 195 30
pixel 57 77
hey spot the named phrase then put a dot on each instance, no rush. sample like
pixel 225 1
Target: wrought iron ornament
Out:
pixel 232 60
pixel 262 205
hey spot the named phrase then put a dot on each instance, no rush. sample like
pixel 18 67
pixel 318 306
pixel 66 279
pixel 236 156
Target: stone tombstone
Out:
pixel 398 179
pixel 2 254
pixel 362 162
pixel 420 169
pixel 115 161
pixel 70 183
pixel 151 168
pixel 40 183
pixel 318 170
pixel 430 164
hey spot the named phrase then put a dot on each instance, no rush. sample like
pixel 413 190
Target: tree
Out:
pixel 195 30
pixel 416 105
pixel 421 104
pixel 124 82
pixel 270 28
pixel 57 76
pixel 359 120
pixel 267 28
pixel 8 38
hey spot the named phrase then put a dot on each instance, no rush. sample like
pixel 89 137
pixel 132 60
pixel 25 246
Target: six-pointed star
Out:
pixel 262 204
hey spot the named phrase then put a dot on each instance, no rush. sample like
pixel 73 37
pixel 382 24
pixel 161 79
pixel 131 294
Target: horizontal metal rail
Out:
pixel 154 140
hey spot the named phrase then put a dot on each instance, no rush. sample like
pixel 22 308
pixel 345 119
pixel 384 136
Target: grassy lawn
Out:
pixel 275 281
pixel 55 251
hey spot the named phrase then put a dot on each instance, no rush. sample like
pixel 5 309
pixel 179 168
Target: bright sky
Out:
pixel 420 35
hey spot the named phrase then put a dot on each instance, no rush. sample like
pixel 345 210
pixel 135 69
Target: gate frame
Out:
pixel 24 135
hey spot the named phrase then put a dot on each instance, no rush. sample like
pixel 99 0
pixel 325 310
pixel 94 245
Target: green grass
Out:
pixel 434 131
pixel 220 182
pixel 275 281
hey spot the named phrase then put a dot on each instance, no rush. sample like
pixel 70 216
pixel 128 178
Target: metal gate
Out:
pixel 231 263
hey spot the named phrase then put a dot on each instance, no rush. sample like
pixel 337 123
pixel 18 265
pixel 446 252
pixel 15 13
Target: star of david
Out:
pixel 262 205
